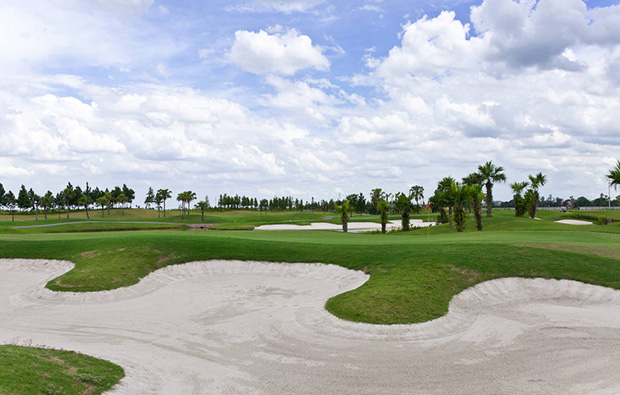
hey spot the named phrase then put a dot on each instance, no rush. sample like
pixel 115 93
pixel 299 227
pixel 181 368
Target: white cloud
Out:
pixel 263 53
pixel 285 6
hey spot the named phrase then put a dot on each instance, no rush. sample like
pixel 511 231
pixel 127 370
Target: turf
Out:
pixel 29 370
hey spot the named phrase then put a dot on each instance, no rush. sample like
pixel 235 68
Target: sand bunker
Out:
pixel 260 328
pixel 353 226
pixel 573 222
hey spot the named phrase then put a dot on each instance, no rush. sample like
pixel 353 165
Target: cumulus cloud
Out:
pixel 263 53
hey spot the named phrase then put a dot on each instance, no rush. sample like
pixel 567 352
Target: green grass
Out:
pixel 28 370
pixel 413 275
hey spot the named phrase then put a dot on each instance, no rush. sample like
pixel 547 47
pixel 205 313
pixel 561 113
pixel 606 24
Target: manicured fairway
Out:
pixel 413 275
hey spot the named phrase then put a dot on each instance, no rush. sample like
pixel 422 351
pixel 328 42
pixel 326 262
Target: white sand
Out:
pixel 573 222
pixel 353 226
pixel 248 327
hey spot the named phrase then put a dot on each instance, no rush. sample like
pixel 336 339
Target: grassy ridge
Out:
pixel 27 370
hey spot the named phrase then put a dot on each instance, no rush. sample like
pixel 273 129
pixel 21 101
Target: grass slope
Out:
pixel 28 370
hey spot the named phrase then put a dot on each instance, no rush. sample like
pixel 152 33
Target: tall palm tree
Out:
pixel 188 198
pixel 614 176
pixel 343 210
pixel 67 196
pixel 517 189
pixel 490 174
pixel 536 182
pixel 382 207
pixel 417 192
pixel 181 197
pixel 164 194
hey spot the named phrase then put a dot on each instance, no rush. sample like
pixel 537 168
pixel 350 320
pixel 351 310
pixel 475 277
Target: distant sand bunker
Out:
pixel 251 327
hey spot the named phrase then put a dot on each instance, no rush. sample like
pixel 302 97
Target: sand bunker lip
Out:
pixel 573 222
pixel 355 227
pixel 255 327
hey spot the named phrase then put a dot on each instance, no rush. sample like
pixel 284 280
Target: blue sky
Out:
pixel 307 97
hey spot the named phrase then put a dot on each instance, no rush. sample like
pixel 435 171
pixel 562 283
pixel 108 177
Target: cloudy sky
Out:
pixel 307 97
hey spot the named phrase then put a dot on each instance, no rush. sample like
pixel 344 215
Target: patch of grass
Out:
pixel 29 370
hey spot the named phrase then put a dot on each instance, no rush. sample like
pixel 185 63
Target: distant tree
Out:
pixel 85 201
pixel 376 195
pixel 122 199
pixel 10 202
pixel 35 200
pixel 23 200
pixel 417 192
pixel 68 198
pixel 202 205
pixel 536 182
pixel 163 195
pixel 490 174
pixel 343 210
pixel 150 198
pixel 189 196
pixel 519 201
pixel 403 205
pixel 59 201
pixel 103 201
pixel 129 193
pixel 181 197
pixel 2 195
pixel 614 176
pixel 382 207
pixel 47 201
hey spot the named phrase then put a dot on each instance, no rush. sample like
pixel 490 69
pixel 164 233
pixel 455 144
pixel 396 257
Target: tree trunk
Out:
pixel 67 212
pixel 203 215
pixel 489 199
pixel 450 216
pixel 164 208
pixel 87 216
pixel 45 214
pixel 36 213
pixel 123 209
pixel 12 216
pixel 102 211
pixel 405 222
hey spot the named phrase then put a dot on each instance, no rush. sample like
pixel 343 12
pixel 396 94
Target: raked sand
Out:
pixel 355 227
pixel 228 327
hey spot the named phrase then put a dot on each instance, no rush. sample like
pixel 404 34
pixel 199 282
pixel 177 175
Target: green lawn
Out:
pixel 413 275
pixel 28 370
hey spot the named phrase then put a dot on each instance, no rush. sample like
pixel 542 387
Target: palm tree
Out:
pixel 517 189
pixel 164 194
pixel 85 201
pixel 202 205
pixel 343 210
pixel 376 195
pixel 382 207
pixel 103 201
pixel 445 194
pixel 189 196
pixel 182 197
pixel 403 205
pixel 536 182
pixel 462 195
pixel 477 197
pixel 489 174
pixel 614 176
pixel 417 192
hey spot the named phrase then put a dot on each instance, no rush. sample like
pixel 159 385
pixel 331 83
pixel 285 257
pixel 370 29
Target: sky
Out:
pixel 309 98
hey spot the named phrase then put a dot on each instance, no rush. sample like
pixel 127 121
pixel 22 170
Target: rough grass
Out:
pixel 28 370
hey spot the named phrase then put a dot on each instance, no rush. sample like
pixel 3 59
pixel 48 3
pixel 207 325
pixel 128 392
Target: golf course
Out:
pixel 411 277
